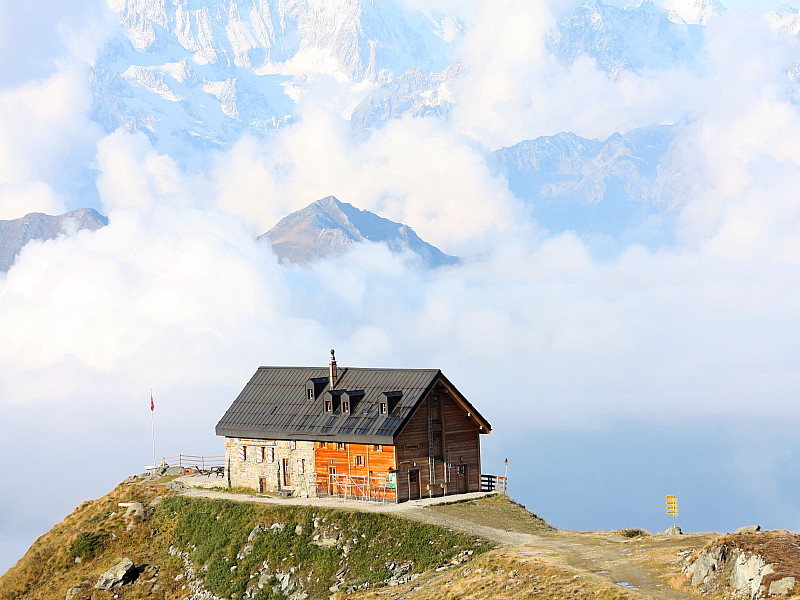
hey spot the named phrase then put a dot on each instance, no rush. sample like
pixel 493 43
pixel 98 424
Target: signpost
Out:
pixel 672 508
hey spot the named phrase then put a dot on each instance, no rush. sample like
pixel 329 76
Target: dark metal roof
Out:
pixel 274 405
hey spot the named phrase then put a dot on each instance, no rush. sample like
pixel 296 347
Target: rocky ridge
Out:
pixel 329 227
pixel 16 233
pixel 747 564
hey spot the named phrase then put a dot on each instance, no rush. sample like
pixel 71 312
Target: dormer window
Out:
pixel 383 408
pixel 314 388
pixel 392 400
pixel 355 397
pixel 335 398
pixel 328 406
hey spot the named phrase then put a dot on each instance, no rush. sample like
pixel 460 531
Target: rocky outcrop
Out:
pixel 120 574
pixel 747 564
pixel 723 566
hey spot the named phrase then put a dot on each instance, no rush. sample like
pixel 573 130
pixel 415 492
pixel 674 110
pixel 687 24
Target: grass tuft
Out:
pixel 634 533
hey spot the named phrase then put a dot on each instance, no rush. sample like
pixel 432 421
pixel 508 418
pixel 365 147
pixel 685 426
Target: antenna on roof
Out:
pixel 332 370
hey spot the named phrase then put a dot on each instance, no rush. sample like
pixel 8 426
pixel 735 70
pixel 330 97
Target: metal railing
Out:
pixel 355 487
pixel 494 483
pixel 190 461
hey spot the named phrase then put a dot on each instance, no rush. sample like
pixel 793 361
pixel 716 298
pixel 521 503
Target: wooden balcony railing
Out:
pixel 493 483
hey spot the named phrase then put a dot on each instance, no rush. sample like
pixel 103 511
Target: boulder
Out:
pixel 782 587
pixel 674 530
pixel 135 509
pixel 748 529
pixel 120 574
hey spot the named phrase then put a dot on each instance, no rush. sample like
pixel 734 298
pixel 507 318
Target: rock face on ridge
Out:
pixel 750 565
pixel 328 227
pixel 14 234
pixel 636 37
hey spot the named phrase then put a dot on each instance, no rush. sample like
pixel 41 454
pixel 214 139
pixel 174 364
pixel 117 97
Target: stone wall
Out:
pixel 265 462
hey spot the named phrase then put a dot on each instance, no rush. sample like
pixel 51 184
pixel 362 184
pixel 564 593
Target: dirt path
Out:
pixel 597 553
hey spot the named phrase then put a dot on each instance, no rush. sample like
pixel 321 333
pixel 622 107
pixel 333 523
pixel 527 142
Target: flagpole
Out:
pixel 153 426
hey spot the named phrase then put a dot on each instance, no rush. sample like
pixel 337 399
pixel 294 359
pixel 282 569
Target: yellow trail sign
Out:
pixel 672 506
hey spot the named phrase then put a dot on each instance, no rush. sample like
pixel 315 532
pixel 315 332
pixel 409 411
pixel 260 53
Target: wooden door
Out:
pixel 461 479
pixel 287 476
pixel 413 484
pixel 262 485
pixel 333 486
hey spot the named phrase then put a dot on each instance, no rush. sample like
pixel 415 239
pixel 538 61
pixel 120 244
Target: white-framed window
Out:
pixel 359 460
pixel 242 453
pixel 292 445
pixel 270 455
pixel 383 408
pixel 301 465
pixel 260 454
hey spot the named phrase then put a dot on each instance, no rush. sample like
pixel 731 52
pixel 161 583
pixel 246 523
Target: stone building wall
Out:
pixel 271 465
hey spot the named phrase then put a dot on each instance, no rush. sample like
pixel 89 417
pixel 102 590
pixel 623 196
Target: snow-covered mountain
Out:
pixel 786 18
pixel 694 12
pixel 635 37
pixel 16 233
pixel 206 71
pixel 328 227
pixel 198 74
pixel 593 186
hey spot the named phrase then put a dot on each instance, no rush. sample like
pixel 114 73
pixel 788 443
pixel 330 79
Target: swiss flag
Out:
pixel 152 405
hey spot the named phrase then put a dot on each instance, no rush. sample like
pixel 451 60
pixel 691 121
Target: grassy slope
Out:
pixel 497 511
pixel 214 533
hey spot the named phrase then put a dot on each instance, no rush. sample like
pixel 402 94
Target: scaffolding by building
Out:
pixel 355 487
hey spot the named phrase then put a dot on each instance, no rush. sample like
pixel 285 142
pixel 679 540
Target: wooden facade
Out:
pixel 355 470
pixel 379 434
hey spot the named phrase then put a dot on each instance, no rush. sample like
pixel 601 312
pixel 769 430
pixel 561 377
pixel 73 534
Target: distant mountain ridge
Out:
pixel 595 186
pixel 14 234
pixel 637 37
pixel 199 74
pixel 329 227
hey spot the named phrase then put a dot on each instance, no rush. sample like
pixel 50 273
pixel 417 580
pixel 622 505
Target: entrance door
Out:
pixel 461 479
pixel 287 476
pixel 262 485
pixel 333 487
pixel 413 485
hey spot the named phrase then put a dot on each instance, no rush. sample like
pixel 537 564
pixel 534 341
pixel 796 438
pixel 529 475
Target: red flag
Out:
pixel 152 406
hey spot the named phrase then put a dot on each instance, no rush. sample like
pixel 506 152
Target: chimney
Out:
pixel 332 370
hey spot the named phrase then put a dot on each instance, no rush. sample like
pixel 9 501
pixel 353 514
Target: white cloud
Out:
pixel 17 200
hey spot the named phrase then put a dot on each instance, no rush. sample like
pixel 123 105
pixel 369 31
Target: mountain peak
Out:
pixel 329 227
pixel 14 234
pixel 692 12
